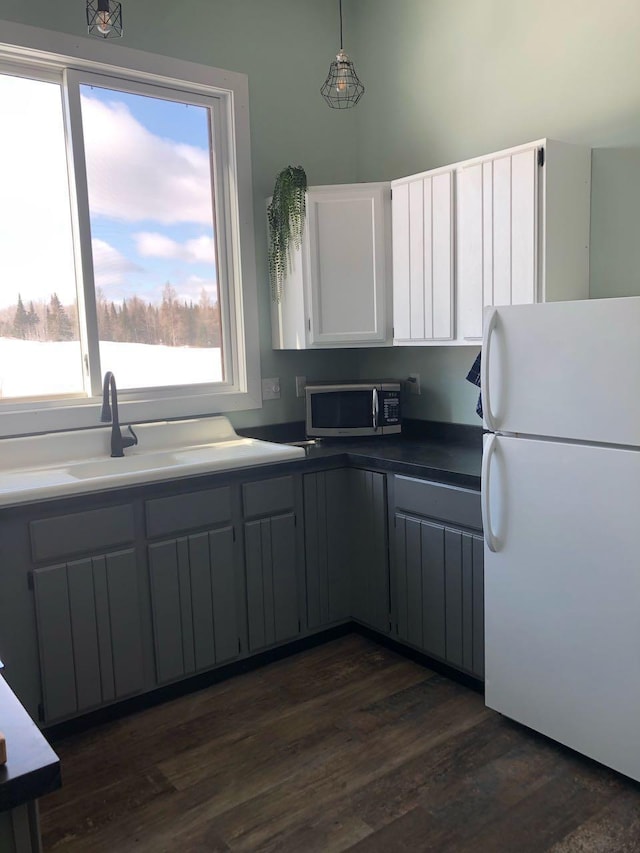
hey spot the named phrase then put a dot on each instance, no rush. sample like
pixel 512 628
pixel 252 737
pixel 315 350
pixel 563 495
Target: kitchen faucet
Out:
pixel 118 442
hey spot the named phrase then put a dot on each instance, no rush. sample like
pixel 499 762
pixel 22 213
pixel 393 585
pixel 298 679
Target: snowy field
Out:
pixel 37 368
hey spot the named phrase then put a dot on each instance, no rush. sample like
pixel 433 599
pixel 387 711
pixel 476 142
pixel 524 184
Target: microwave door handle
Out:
pixel 374 407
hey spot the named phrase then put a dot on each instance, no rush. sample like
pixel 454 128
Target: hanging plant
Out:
pixel 286 215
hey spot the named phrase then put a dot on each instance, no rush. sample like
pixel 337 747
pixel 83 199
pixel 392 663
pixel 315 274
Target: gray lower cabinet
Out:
pixel 347 566
pixel 194 602
pixel 439 591
pixel 370 560
pixel 272 580
pixel 273 560
pixel 328 547
pixel 88 615
pixel 438 572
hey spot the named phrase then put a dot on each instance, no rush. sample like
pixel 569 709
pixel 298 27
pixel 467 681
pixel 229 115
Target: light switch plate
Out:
pixel 301 384
pixel 271 389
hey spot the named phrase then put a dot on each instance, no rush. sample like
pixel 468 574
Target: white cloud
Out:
pixel 109 265
pixel 152 245
pixel 135 175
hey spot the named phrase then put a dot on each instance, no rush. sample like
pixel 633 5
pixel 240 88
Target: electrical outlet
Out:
pixel 301 383
pixel 413 383
pixel 271 389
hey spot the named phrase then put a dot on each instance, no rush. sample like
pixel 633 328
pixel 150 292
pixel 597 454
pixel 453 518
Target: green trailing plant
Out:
pixel 286 215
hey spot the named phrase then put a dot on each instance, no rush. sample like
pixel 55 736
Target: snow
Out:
pixel 49 368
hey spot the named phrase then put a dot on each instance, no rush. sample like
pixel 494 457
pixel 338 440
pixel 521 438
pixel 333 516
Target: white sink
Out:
pixel 59 464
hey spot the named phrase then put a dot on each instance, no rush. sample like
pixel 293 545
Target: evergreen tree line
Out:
pixel 172 322
pixel 39 321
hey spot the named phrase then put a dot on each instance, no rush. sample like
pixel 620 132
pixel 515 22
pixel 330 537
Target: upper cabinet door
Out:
pixel 338 288
pixel 347 232
pixel 423 268
pixel 498 236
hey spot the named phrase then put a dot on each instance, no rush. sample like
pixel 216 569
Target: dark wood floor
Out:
pixel 345 747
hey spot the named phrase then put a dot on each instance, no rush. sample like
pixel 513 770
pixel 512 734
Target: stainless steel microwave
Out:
pixel 353 408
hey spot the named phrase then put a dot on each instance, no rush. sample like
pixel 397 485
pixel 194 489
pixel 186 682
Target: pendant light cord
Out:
pixel 341 45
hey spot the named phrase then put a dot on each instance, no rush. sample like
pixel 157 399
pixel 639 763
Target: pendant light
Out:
pixel 342 88
pixel 104 18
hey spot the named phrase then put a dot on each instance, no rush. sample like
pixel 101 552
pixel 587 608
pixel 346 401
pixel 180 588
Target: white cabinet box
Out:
pixel 519 233
pixel 338 291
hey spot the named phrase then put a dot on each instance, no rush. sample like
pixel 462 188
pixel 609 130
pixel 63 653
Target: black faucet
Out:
pixel 118 442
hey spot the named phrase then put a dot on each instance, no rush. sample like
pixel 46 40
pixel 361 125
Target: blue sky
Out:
pixel 148 171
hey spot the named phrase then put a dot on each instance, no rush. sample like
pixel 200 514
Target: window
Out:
pixel 121 243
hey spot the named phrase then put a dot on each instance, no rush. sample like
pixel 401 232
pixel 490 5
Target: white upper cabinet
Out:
pixel 508 228
pixel 523 218
pixel 338 292
pixel 423 257
pixel 517 224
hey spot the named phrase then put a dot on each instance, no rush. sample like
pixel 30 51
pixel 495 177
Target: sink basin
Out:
pixel 123 464
pixel 60 464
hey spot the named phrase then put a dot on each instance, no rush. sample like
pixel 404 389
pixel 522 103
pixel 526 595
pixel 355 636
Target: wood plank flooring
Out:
pixel 345 747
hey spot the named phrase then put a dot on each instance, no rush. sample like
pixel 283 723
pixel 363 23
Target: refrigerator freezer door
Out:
pixel 562 595
pixel 565 370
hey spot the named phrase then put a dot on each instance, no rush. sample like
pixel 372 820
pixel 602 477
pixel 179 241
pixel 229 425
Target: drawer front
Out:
pixel 434 500
pixel 81 532
pixel 268 497
pixel 177 513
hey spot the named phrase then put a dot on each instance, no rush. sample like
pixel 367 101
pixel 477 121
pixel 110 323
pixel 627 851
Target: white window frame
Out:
pixel 85 61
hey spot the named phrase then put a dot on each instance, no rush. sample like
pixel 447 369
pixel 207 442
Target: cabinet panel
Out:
pixel 92 531
pixel 53 615
pixel 348 264
pixel 268 497
pixel 194 602
pixel 124 616
pixel 84 627
pixel 167 621
pixel 423 258
pixel 338 290
pixel 89 632
pixel 439 592
pixel 272 584
pixel 188 512
pixel 327 547
pixel 448 503
pixel 498 214
pixel 369 562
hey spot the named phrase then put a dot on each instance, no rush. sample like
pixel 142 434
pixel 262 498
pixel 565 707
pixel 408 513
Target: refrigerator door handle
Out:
pixel 489 450
pixel 484 372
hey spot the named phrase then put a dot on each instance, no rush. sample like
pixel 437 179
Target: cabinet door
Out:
pixel 423 228
pixel 348 242
pixel 370 562
pixel 272 580
pixel 194 602
pixel 440 591
pixel 498 236
pixel 89 632
pixel 328 537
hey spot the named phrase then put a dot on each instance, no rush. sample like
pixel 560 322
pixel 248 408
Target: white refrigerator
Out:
pixel 561 512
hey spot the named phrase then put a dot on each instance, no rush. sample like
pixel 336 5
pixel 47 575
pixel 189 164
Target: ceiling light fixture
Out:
pixel 104 18
pixel 342 88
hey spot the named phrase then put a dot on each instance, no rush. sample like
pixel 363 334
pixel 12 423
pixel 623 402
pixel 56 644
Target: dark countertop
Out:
pixel 445 453
pixel 32 767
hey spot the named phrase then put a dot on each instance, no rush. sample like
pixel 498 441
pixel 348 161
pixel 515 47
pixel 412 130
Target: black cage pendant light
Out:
pixel 104 19
pixel 342 88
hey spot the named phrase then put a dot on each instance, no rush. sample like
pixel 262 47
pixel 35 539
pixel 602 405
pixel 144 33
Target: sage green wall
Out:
pixel 284 46
pixel 450 80
pixel 444 81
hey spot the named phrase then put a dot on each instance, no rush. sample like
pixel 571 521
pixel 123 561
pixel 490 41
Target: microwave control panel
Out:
pixel 390 407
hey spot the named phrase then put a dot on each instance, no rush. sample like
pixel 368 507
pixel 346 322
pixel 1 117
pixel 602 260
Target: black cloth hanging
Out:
pixel 473 376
